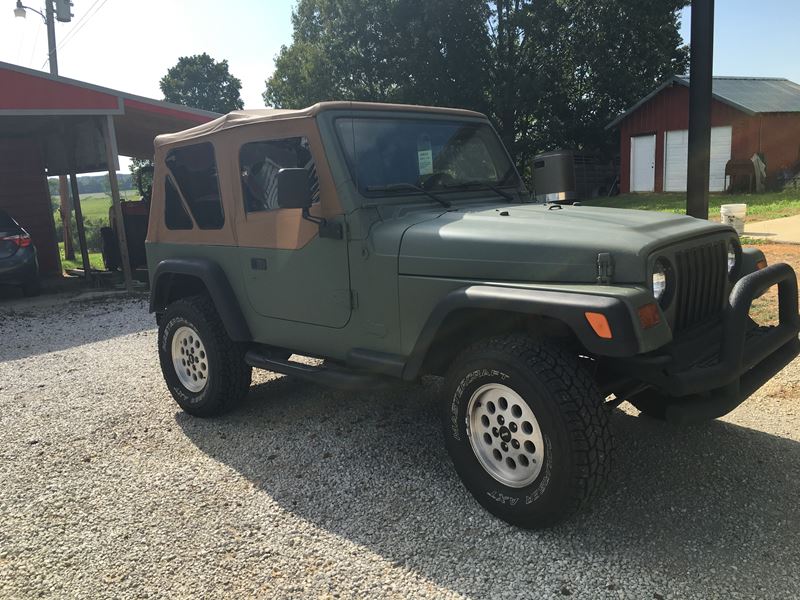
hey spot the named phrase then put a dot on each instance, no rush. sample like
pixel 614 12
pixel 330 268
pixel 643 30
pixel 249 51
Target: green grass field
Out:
pixel 760 207
pixel 95 206
pixel 95 259
pixel 95 209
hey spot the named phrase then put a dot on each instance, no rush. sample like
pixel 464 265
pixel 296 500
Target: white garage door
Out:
pixel 720 155
pixel 643 163
pixel 676 150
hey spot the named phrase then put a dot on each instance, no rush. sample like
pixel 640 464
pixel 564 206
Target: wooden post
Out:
pixel 76 202
pixel 112 158
pixel 63 193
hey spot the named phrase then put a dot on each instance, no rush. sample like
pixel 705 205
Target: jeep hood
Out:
pixel 541 243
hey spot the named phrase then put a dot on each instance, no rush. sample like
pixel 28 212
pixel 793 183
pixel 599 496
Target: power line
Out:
pixel 35 43
pixel 79 25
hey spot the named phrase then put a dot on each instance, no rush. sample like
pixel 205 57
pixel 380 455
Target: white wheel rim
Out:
pixel 505 435
pixel 189 359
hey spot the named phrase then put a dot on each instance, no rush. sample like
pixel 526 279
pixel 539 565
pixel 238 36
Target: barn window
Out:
pixel 195 171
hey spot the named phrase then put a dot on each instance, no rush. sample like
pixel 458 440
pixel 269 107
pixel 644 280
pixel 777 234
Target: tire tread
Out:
pixel 233 374
pixel 578 400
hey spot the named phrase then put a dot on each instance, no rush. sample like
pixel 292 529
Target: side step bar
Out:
pixel 340 378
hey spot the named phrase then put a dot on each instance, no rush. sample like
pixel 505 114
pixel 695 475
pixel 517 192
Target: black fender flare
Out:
pixel 567 307
pixel 215 281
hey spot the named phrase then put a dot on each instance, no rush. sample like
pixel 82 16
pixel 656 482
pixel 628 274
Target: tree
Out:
pixel 197 81
pixel 549 73
pixel 201 82
pixel 142 176
pixel 381 50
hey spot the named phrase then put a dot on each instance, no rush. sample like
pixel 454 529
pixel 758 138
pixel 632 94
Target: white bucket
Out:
pixel 734 215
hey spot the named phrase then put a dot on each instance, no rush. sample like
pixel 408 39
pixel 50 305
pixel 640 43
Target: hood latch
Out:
pixel 605 267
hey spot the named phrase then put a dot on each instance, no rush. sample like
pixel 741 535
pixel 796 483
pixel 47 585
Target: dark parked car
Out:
pixel 18 262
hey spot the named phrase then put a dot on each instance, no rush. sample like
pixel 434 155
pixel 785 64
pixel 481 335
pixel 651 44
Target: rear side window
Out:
pixel 175 216
pixel 195 171
pixel 259 163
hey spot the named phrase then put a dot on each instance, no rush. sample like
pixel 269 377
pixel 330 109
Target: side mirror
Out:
pixel 294 189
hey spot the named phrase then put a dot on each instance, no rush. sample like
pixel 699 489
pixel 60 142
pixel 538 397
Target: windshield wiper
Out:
pixel 483 184
pixel 396 187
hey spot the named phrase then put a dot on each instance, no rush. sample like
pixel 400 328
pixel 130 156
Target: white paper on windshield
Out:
pixel 425 161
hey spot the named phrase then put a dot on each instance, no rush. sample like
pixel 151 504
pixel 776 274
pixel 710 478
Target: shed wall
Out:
pixel 25 195
pixel 776 135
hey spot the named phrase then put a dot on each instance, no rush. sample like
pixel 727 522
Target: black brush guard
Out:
pixel 733 359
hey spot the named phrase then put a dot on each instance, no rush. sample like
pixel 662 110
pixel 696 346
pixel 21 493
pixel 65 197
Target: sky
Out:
pixel 129 45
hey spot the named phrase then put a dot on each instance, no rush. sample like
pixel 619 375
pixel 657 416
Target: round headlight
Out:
pixel 660 282
pixel 733 256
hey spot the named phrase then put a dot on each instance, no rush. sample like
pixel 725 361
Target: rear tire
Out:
pixel 504 394
pixel 203 368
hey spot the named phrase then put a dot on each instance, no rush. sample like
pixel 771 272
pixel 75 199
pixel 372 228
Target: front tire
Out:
pixel 203 368
pixel 526 429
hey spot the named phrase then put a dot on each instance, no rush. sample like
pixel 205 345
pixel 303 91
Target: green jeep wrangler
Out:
pixel 399 241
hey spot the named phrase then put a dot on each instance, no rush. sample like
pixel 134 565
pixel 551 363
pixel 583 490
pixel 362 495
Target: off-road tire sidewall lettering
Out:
pixel 229 376
pixel 178 391
pixel 565 481
pixel 496 492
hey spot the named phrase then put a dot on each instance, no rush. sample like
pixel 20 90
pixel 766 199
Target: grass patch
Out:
pixel 760 207
pixel 95 259
pixel 95 206
pixel 751 241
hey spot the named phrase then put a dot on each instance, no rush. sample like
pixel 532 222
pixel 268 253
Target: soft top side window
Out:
pixel 195 171
pixel 175 216
pixel 259 163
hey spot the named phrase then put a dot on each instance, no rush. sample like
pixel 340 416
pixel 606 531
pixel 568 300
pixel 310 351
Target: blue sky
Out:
pixel 755 38
pixel 129 48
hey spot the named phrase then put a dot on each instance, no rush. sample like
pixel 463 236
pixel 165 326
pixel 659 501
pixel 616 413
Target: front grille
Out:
pixel 702 275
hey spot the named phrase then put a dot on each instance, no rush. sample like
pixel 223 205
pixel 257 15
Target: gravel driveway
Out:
pixel 107 490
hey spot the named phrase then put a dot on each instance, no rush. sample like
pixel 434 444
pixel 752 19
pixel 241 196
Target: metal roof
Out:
pixel 751 95
pixel 53 100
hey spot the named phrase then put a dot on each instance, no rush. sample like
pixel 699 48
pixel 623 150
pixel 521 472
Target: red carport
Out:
pixel 51 125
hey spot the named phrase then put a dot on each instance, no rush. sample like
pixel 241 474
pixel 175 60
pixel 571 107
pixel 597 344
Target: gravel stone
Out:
pixel 107 490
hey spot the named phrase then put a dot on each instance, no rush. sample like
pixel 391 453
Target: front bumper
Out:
pixel 710 374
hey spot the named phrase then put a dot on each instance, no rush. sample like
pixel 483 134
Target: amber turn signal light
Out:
pixel 649 315
pixel 599 324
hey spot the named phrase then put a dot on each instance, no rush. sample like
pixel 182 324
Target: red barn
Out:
pixel 52 125
pixel 749 115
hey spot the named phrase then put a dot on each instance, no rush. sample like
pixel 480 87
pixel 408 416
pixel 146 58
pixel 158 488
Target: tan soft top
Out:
pixel 238 118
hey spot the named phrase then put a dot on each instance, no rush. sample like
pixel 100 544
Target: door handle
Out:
pixel 258 264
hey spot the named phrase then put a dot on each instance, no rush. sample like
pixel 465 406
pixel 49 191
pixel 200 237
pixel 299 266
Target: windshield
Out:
pixel 386 154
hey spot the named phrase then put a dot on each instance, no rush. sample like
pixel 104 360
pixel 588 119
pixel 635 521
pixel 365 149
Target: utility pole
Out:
pixel 700 88
pixel 51 38
pixel 49 16
pixel 63 188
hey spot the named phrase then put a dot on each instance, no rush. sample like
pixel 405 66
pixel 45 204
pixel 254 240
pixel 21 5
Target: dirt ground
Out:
pixel 765 309
pixel 108 490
